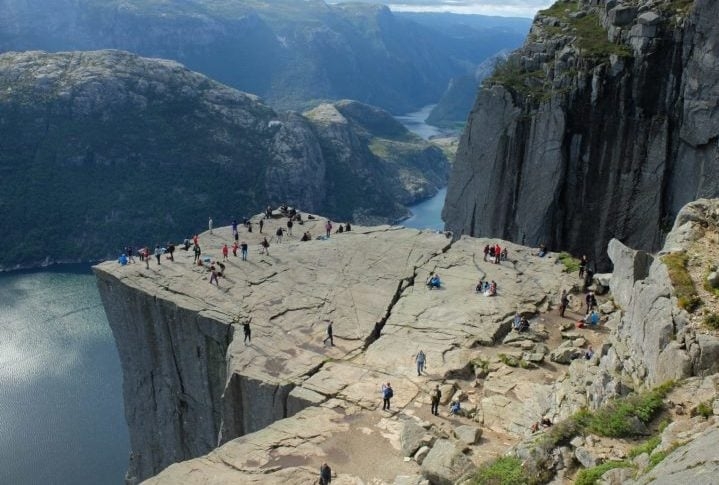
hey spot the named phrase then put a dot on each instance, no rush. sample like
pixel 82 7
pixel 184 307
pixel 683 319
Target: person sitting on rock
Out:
pixel 306 237
pixel 341 229
pixel 546 422
pixel 348 227
pixel 455 408
pixel 492 289
pixel 434 281
pixel 122 259
pixel 592 318
pixel 517 322
pixel 542 251
pixel 480 286
pixel 589 353
pixel 524 325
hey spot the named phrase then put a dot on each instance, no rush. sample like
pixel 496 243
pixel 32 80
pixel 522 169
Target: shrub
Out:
pixel 705 410
pixel 506 470
pixel 589 476
pixel 616 419
pixel 646 447
pixel 571 264
pixel 682 282
pixel 712 321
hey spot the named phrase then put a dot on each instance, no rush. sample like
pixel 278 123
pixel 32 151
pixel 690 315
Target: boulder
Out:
pixel 565 353
pixel 468 434
pixel 622 15
pixel 713 279
pixel 585 457
pixel 649 18
pixel 412 437
pixel 444 463
pixel 410 480
pixel 601 283
pixel 630 266
pixel 421 454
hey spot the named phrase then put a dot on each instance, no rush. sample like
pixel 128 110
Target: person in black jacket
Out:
pixel 325 474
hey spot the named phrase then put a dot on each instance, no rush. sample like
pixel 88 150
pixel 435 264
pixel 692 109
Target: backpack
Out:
pixel 388 393
pixel 434 394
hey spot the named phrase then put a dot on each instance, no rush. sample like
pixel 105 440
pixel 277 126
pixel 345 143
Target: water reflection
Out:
pixel 61 417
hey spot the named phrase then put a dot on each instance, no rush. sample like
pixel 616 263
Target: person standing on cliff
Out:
pixel 563 303
pixel 198 253
pixel 329 335
pixel 225 252
pixel 435 395
pixel 248 333
pixel 421 360
pixel 265 247
pixel 289 226
pixel 209 224
pixel 387 394
pixel 328 228
pixel 158 253
pixel 325 474
pixel 262 224
pixel 243 250
pixel 583 265
pixel 486 252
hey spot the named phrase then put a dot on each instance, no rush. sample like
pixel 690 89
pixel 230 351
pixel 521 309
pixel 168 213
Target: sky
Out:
pixel 505 8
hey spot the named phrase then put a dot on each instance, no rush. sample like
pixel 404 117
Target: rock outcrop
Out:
pixel 146 145
pixel 186 366
pixel 602 126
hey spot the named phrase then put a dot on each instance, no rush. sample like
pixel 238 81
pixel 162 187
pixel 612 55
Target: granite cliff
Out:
pixel 104 149
pixel 203 407
pixel 603 125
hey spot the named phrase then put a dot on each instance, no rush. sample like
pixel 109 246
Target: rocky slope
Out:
pixel 284 404
pixel 105 149
pixel 603 125
pixel 291 53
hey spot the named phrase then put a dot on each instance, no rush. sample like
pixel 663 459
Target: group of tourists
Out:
pixel 495 253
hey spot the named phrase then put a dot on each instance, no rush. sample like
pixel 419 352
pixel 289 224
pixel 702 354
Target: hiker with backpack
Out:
pixel 387 394
pixel 421 360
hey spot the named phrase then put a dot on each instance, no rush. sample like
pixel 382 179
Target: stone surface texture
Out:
pixel 370 281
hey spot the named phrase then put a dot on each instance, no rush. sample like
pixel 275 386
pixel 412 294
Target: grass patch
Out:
pixel 512 75
pixel 712 321
pixel 646 447
pixel 507 360
pixel 505 470
pixel 682 282
pixel 571 264
pixel 590 476
pixel 592 38
pixel 704 409
pixel 617 419
pixel 659 456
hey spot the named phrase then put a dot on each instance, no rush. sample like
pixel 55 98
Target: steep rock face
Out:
pixel 603 125
pixel 145 146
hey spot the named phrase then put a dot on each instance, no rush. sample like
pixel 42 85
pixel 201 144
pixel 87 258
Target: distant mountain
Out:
pixel 102 149
pixel 456 102
pixel 292 53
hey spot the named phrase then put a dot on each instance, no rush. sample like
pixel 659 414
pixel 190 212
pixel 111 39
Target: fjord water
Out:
pixel 428 213
pixel 61 414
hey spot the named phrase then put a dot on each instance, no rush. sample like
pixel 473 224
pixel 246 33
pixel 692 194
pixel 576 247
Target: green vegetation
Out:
pixel 705 410
pixel 646 447
pixel 712 321
pixel 571 264
pixel 514 362
pixel 513 76
pixel 502 471
pixel 617 419
pixel 591 36
pixel 682 282
pixel 590 476
pixel 659 456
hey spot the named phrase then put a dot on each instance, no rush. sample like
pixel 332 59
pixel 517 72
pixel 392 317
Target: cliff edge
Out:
pixel 602 126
